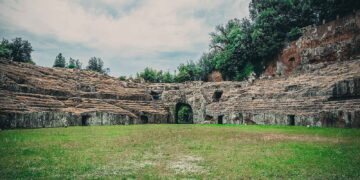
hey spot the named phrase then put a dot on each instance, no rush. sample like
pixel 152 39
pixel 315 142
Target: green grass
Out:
pixel 180 151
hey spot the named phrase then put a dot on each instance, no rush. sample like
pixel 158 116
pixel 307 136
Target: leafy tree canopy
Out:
pixel 17 50
pixel 74 64
pixel 97 65
pixel 240 47
pixel 60 61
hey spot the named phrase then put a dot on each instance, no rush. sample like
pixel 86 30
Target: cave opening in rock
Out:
pixel 291 119
pixel 183 114
pixel 220 119
pixel 85 120
pixel 144 119
pixel 292 59
pixel 217 95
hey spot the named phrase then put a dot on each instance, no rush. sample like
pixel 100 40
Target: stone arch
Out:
pixel 85 119
pixel 221 119
pixel 144 119
pixel 291 120
pixel 183 113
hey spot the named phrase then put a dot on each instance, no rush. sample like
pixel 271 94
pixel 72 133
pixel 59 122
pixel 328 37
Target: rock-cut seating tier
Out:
pixel 33 96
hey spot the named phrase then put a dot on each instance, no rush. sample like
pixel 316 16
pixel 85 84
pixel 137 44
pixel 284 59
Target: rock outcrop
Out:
pixel 33 96
pixel 315 81
pixel 337 40
pixel 329 96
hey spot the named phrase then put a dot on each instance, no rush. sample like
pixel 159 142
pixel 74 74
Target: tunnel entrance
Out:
pixel 85 120
pixel 220 119
pixel 183 114
pixel 291 119
pixel 144 119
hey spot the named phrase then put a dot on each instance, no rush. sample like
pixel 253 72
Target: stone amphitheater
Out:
pixel 314 81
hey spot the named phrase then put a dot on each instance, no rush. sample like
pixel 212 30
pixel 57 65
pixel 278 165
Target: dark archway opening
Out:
pixel 85 120
pixel 144 119
pixel 183 114
pixel 241 118
pixel 155 95
pixel 217 95
pixel 291 119
pixel 220 119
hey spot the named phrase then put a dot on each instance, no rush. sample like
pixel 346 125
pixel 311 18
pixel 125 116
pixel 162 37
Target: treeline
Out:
pixel 20 50
pixel 186 72
pixel 240 47
pixel 94 64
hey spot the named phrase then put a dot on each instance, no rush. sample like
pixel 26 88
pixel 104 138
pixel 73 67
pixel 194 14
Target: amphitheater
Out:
pixel 314 81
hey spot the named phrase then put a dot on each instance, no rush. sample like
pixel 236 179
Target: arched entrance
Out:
pixel 85 120
pixel 144 119
pixel 183 114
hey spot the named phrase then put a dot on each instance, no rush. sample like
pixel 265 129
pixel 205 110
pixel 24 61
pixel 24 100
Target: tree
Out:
pixel 168 77
pixel 60 61
pixel 20 50
pixel 74 64
pixel 149 75
pixel 206 64
pixel 17 50
pixel 71 63
pixel 240 47
pixel 154 76
pixel 78 64
pixel 4 51
pixel 183 74
pixel 97 65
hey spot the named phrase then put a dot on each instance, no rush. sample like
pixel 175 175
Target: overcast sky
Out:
pixel 128 35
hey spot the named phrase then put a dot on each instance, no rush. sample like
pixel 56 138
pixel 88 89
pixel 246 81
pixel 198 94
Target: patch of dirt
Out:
pixel 305 138
pixel 186 164
pixel 266 136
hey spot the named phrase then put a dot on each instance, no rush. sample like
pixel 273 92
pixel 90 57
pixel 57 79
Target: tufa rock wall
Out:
pixel 33 96
pixel 328 97
pixel 315 81
pixel 337 40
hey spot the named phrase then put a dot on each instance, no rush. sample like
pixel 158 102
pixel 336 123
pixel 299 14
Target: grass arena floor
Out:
pixel 180 151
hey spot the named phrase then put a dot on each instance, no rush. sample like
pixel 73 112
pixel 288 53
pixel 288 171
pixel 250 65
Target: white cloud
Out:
pixel 140 28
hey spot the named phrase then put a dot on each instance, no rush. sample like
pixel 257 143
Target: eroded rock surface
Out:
pixel 335 41
pixel 33 96
pixel 324 97
pixel 315 81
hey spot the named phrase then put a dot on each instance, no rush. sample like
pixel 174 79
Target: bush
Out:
pixel 122 78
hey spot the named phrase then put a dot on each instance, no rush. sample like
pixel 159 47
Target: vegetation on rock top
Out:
pixel 240 47
pixel 237 49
